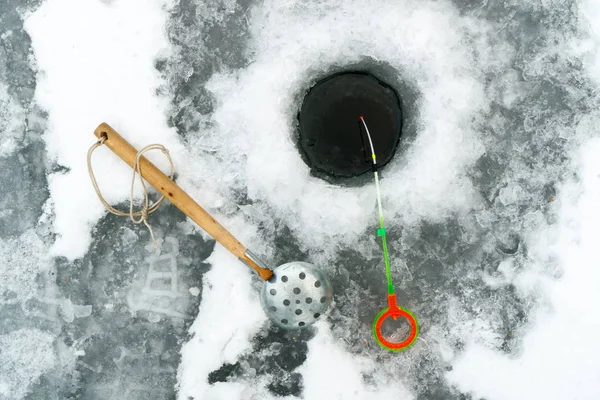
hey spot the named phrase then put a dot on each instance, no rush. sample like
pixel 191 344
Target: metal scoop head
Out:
pixel 296 295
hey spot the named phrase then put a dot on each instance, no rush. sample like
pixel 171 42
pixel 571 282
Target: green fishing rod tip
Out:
pixel 381 232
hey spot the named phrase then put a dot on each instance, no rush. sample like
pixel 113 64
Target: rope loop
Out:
pixel 147 208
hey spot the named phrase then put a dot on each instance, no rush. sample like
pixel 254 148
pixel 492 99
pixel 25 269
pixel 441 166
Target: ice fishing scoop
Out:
pixel 293 296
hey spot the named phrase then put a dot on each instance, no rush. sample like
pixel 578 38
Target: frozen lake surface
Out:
pixel 491 199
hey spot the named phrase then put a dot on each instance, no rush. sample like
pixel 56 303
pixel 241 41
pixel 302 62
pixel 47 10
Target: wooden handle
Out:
pixel 177 196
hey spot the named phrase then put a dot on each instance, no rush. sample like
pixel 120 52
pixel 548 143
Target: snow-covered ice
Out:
pixel 491 200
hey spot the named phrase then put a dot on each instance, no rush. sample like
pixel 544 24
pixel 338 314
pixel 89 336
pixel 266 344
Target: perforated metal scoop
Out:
pixel 294 295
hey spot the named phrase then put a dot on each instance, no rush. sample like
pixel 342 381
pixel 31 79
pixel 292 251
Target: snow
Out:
pixel 429 182
pixel 332 373
pixel 97 65
pixel 228 317
pixel 560 357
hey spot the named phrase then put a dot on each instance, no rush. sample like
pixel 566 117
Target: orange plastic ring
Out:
pixel 394 311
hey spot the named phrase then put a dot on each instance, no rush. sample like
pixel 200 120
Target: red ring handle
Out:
pixel 394 311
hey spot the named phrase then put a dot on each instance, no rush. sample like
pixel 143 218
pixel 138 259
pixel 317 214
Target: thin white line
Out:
pixel 370 141
pixel 375 172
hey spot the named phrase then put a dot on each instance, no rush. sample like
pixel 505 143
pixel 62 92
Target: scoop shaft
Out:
pixel 177 196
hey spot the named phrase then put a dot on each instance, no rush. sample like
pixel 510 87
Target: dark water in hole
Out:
pixel 331 136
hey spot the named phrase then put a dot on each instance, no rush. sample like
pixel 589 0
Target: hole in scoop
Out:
pixel 298 311
pixel 297 301
pixel 273 292
pixel 323 299
pixel 286 302
pixel 395 330
pixel 318 284
pixel 273 308
pixel 301 323
pixel 302 275
pixel 284 321
pixel 308 300
pixel 284 278
pixel 296 290
pixel 317 315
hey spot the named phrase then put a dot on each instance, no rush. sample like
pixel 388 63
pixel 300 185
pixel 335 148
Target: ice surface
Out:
pixel 11 124
pixel 26 354
pixel 551 365
pixel 489 201
pixel 72 319
pixel 23 260
pixel 16 81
